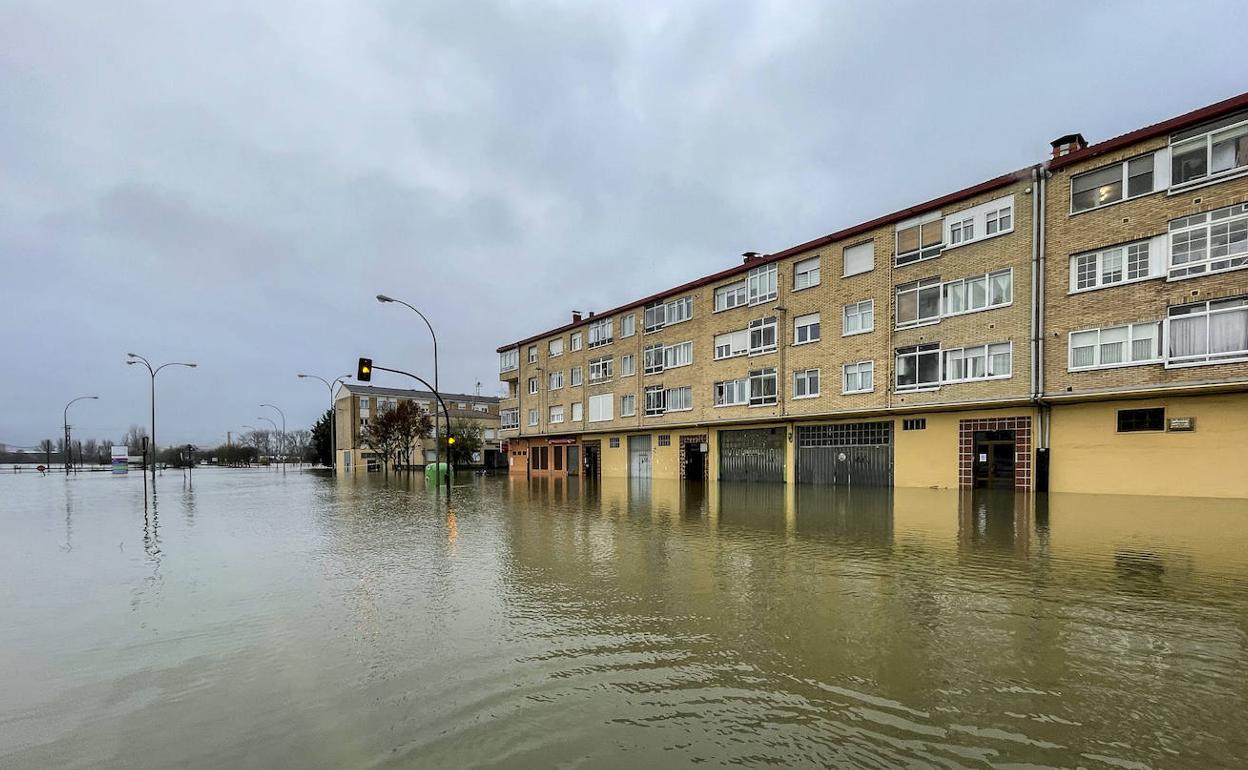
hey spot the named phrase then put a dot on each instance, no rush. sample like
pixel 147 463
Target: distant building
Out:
pixel 356 406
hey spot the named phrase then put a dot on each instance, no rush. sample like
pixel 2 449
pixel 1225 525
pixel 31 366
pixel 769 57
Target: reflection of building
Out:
pixel 978 339
pixel 355 406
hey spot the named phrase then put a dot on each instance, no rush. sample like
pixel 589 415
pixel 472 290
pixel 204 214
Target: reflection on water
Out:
pixel 263 620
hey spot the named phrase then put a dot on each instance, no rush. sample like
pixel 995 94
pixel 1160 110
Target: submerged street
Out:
pixel 261 619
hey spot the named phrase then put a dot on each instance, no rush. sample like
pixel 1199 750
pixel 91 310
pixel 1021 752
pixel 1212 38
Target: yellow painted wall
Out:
pixel 614 459
pixel 1089 454
pixel 929 457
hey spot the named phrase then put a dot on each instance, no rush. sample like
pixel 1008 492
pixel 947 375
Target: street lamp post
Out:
pixel 135 358
pixel 281 446
pixel 65 424
pixel 437 445
pixel 269 421
pixel 333 416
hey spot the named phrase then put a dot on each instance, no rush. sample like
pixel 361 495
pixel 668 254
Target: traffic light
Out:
pixel 364 372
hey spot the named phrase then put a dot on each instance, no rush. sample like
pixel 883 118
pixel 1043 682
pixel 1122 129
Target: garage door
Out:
pixel 751 455
pixel 858 454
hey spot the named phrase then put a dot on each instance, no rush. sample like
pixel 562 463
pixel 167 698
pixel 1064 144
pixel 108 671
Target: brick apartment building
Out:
pixel 1041 329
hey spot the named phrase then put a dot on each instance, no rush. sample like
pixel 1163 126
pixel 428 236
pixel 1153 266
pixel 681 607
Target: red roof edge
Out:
pixel 1211 112
pixel 849 232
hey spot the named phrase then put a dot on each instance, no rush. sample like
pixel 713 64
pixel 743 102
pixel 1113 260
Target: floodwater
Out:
pixel 255 619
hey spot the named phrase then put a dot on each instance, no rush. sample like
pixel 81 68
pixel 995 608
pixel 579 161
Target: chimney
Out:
pixel 576 316
pixel 591 314
pixel 750 256
pixel 1065 145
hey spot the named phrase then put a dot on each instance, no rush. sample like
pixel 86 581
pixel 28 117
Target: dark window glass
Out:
pixel 1130 420
pixel 914 423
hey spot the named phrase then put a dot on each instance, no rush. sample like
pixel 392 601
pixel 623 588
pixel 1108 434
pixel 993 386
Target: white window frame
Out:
pixel 556 415
pixel 532 354
pixel 533 386
pixel 916 352
pixel 763 283
pixel 739 389
pixel 1206 136
pixel 968 226
pixel 652 359
pixel 758 387
pixel 509 419
pixel 628 325
pixel 804 377
pixel 677 355
pixel 857 368
pixel 576 341
pixel 761 325
pixel 732 344
pixel 679 311
pixel 806 326
pixel 1155 248
pixel 806 274
pixel 556 380
pixel 1231 305
pixel 578 411
pixel 987 278
pixel 601 370
pixel 1208 224
pixel 916 288
pixel 969 352
pixel 575 377
pixel 655 400
pixel 555 347
pixel 678 394
pixel 628 405
pixel 1161 176
pixel 602 407
pixel 922 253
pixel 1132 330
pixel 628 365
pixel 509 360
pixel 864 309
pixel 654 317
pixel 533 417
pixel 601 332
pixel 856 251
pixel 731 295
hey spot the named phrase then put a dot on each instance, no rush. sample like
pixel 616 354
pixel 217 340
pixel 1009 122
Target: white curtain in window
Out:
pixel 1188 336
pixel 1228 332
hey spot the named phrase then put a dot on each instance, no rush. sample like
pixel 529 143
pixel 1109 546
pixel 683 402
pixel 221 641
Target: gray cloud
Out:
pixel 232 183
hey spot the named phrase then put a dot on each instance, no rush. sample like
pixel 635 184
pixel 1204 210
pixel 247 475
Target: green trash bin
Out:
pixel 436 473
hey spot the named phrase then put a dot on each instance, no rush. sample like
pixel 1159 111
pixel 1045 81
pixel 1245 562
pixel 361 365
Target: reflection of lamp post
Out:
pixel 135 359
pixel 65 423
pixel 281 444
pixel 333 416
pixel 437 446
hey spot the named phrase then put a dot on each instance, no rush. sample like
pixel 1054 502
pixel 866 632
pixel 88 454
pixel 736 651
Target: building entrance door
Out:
pixel 639 457
pixel 574 460
pixel 994 459
pixel 695 461
pixel 591 460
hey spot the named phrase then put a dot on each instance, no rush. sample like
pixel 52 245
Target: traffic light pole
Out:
pixel 365 375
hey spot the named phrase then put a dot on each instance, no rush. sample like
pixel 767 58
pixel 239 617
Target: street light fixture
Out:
pixel 65 424
pixel 437 446
pixel 135 358
pixel 333 415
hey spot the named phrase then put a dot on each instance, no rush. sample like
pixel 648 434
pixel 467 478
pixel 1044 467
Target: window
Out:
pixel 1117 264
pixel 981 362
pixel 680 399
pixel 680 354
pixel 806 274
pixel 655 316
pixel 576 341
pixel 1128 179
pixel 858 318
pixel 652 358
pixel 806 329
pixel 1115 346
pixel 918 366
pixel 914 423
pixel 1212 242
pixel 1207 332
pixel 762 335
pixel 575 376
pixel 999 220
pixel 556 380
pixel 859 377
pixel 679 310
pixel 556 347
pixel 614 442
pixel 761 284
pixel 1209 151
pixel 578 412
pixel 762 387
pixel 982 292
pixel 509 418
pixel 660 314
pixel 732 392
pixel 918 302
pixel 628 405
pixel 601 369
pixel 656 400
pixel 480 408
pixel 732 344
pixel 806 383
pixel 508 360
pixel 627 367
pixel 532 354
pixel 556 415
pixel 600 333
pixel 921 238
pixel 859 259
pixel 730 296
pixel 601 407
pixel 532 385
pixel 1135 420
pixel 628 325
pixel 961 230
pixel 532 417
pixel 665 440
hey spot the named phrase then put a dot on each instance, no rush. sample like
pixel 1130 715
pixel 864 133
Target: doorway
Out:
pixel 993 466
pixel 695 460
pixel 592 450
pixel 639 457
pixel 574 460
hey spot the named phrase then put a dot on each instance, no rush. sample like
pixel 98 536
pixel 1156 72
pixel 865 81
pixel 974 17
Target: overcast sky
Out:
pixel 231 183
